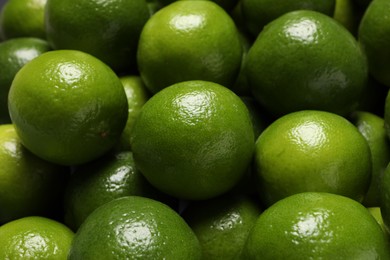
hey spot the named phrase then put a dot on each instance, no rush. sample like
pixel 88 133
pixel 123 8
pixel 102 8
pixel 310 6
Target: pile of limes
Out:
pixel 195 129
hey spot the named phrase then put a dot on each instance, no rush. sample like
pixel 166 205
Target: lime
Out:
pixel 312 151
pixel 374 37
pixel 306 60
pixel 82 107
pixel 315 225
pixel 372 128
pixel 222 224
pixel 22 18
pixel 33 238
pixel 134 228
pixel 193 140
pixel 258 13
pixel 96 183
pixel 14 54
pixel 109 30
pixel 189 40
pixel 29 185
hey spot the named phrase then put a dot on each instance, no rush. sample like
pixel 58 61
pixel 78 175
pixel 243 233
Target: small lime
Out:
pixel 193 140
pixel 68 107
pixel 134 228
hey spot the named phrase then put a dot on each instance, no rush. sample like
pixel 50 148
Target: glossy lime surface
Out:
pixel 82 107
pixel 108 30
pixel 193 140
pixel 312 151
pixel 135 228
pixel 33 238
pixel 96 183
pixel 306 60
pixel 197 39
pixel 222 224
pixel 316 225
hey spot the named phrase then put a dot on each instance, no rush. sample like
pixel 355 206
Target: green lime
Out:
pixel 306 60
pixel 189 40
pixel 109 30
pixel 193 140
pixel 96 183
pixel 32 238
pixel 258 13
pixel 222 224
pixel 82 107
pixel 14 54
pixel 374 37
pixel 134 228
pixel 372 128
pixel 313 225
pixel 22 18
pixel 137 95
pixel 312 151
pixel 28 184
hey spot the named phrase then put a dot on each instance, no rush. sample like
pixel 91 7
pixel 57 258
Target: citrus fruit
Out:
pixel 189 40
pixel 306 60
pixel 109 30
pixel 313 225
pixel 29 185
pixel 14 53
pixel 222 224
pixel 258 13
pixel 374 37
pixel 193 140
pixel 35 238
pixel 137 95
pixel 372 128
pixel 312 151
pixel 134 228
pixel 22 18
pixel 68 107
pixel 96 183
